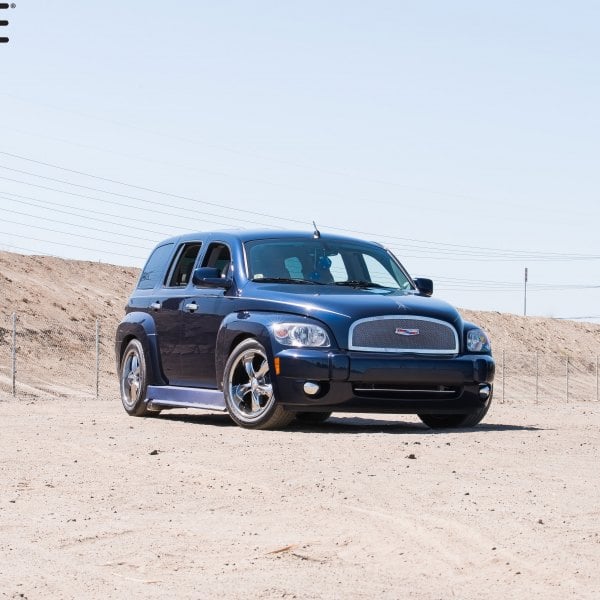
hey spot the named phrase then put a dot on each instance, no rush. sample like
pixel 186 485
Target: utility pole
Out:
pixel 525 294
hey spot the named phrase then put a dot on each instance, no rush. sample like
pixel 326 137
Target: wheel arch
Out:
pixel 140 326
pixel 236 328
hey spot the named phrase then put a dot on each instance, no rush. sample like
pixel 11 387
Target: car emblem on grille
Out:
pixel 403 331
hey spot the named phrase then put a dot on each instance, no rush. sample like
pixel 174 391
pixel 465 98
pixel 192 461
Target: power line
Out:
pixel 120 204
pixel 448 253
pixel 270 159
pixel 459 284
pixel 44 203
pixel 87 237
pixel 141 188
pixel 49 220
pixel 27 237
pixel 484 284
pixel 476 250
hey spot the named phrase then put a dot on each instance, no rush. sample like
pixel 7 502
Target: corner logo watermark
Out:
pixel 4 22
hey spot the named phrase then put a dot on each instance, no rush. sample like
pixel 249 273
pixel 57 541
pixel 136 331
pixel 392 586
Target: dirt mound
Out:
pixel 514 333
pixel 63 291
pixel 72 294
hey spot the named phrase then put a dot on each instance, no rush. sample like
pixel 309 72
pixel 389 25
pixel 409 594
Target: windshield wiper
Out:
pixel 285 280
pixel 360 284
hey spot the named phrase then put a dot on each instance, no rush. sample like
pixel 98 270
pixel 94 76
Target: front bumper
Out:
pixel 378 382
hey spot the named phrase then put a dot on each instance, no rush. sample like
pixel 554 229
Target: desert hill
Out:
pixel 72 294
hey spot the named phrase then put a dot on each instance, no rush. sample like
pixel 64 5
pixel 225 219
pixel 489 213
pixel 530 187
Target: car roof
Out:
pixel 247 235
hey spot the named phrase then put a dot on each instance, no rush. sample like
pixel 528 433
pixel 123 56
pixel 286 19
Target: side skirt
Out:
pixel 165 396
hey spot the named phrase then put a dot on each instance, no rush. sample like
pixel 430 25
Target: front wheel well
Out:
pixel 233 332
pixel 223 357
pixel 238 340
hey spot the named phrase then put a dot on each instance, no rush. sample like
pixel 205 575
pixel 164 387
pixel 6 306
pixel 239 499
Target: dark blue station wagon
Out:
pixel 271 326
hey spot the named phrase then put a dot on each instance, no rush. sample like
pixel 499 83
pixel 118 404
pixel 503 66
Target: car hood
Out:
pixel 339 307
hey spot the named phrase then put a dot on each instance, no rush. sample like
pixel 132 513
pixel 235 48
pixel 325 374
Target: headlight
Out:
pixel 478 341
pixel 300 335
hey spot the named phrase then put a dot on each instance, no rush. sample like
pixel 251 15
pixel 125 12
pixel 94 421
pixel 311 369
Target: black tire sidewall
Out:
pixel 312 418
pixel 456 421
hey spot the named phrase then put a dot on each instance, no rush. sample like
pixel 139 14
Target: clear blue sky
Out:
pixel 463 135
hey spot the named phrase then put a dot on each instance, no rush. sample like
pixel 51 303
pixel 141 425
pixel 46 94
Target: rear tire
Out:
pixel 133 378
pixel 248 389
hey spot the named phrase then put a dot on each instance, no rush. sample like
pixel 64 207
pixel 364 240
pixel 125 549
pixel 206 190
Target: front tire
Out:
pixel 248 389
pixel 455 421
pixel 133 380
pixel 312 418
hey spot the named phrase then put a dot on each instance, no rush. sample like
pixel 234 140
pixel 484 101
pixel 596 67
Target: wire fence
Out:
pixel 44 359
pixel 540 377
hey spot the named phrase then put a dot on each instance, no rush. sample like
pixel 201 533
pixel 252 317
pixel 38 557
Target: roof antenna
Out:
pixel 316 232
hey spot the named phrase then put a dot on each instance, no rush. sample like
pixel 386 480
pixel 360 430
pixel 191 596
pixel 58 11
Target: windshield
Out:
pixel 320 261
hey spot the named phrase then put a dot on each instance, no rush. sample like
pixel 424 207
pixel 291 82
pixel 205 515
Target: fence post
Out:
pixel 503 361
pixel 567 376
pixel 97 358
pixel 14 354
pixel 537 374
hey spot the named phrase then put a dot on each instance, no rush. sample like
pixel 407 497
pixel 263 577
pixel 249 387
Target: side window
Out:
pixel 155 267
pixel 218 256
pixel 181 271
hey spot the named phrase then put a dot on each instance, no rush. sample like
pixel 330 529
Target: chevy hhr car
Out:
pixel 272 326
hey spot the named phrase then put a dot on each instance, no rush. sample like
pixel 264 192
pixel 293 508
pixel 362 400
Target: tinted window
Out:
pixel 181 272
pixel 324 261
pixel 154 267
pixel 219 257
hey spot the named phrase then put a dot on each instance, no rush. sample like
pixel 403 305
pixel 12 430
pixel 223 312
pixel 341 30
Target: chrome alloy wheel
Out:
pixel 250 387
pixel 131 379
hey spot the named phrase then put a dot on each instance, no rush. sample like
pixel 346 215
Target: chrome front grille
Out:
pixel 391 333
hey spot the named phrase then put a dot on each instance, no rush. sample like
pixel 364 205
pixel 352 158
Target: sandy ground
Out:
pixel 96 504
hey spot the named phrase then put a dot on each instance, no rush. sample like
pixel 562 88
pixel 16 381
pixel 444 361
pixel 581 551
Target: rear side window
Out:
pixel 181 273
pixel 154 267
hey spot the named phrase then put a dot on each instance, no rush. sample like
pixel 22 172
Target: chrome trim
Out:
pixel 446 351
pixel 167 396
pixel 406 390
pixel 311 388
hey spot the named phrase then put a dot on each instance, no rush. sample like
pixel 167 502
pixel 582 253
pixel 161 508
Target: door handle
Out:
pixel 192 307
pixel 155 305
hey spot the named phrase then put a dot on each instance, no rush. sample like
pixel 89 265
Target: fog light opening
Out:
pixel 484 392
pixel 311 388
